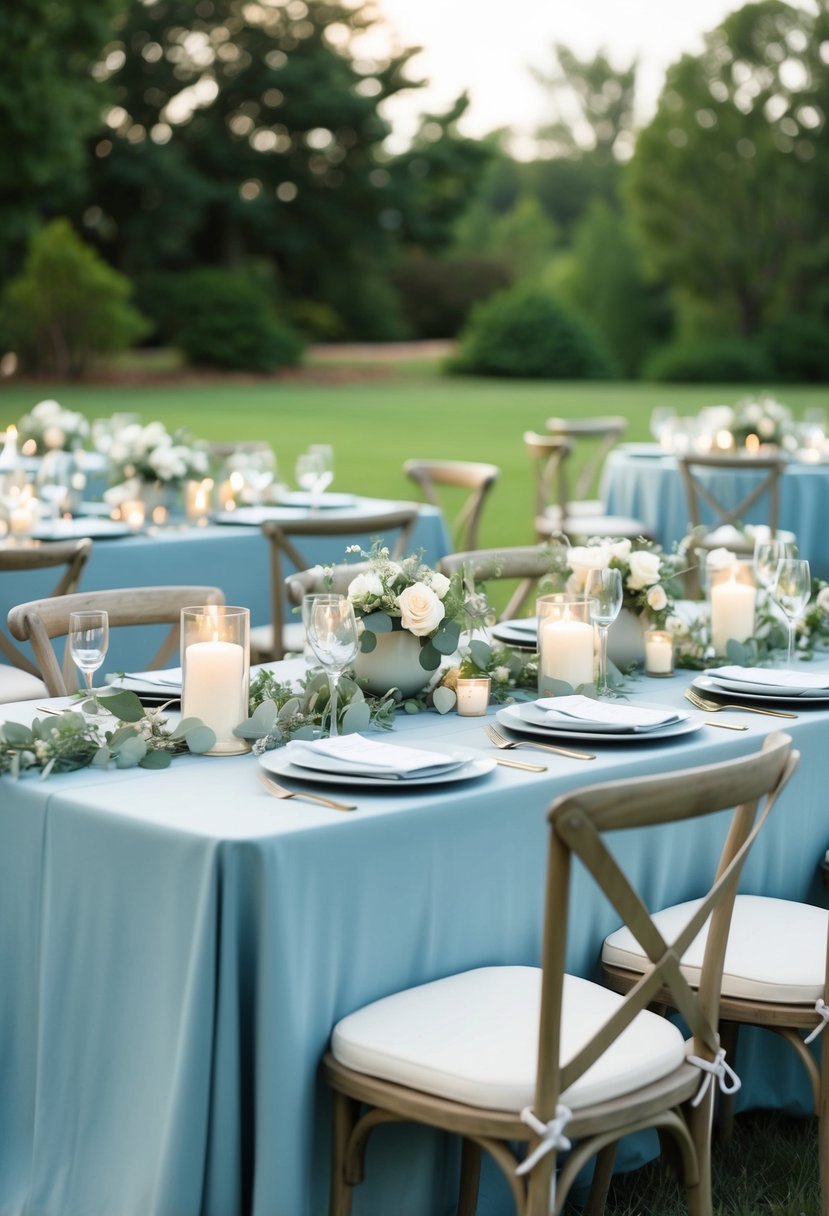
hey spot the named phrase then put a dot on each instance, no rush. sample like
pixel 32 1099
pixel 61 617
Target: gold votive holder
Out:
pixel 473 695
pixel 215 670
pixel 659 653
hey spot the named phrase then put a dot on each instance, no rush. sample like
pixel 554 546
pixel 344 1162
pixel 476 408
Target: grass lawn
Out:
pixel 378 412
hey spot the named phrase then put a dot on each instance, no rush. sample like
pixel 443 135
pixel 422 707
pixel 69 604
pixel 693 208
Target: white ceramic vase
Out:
pixel 626 639
pixel 394 663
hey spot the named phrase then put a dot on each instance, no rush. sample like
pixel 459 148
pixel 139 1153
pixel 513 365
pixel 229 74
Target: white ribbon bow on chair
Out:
pixel 553 1139
pixel 716 1069
pixel 822 1009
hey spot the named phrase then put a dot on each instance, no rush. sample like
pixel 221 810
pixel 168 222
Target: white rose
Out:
pixel 657 599
pixel 644 570
pixel 364 586
pixel 501 675
pixel 823 599
pixel 420 609
pixel 719 559
pixel 439 583
pixel 584 558
pixel 47 410
pixel 620 550
pixel 677 627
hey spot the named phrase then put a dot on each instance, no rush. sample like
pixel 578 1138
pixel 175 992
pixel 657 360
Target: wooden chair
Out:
pixel 597 436
pixel 464 474
pixel 526 564
pixel 39 621
pixel 19 678
pixel 554 512
pixel 699 497
pixel 517 1054
pixel 270 642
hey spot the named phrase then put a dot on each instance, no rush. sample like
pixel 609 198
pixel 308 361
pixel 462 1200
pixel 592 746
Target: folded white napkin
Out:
pixel 770 676
pixel 606 713
pixel 169 678
pixel 355 755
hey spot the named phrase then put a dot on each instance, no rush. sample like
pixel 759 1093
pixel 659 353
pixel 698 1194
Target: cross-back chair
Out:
pixel 536 1056
pixel 710 511
pixel 554 512
pixel 524 564
pixel 396 527
pixel 470 475
pixel 39 622
pixel 19 678
pixel 596 437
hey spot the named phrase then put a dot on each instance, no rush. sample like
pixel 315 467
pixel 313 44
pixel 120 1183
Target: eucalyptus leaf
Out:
pixel 429 657
pixel 185 726
pixel 102 757
pixel 356 717
pixel 200 739
pixel 444 699
pixel 156 759
pixel 445 641
pixel 17 735
pixel 131 752
pixel 47 768
pixel 377 622
pixel 289 710
pixel 368 641
pixel 123 705
pixel 480 653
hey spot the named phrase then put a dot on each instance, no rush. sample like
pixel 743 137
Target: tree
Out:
pixel 592 107
pixel 49 103
pixel 730 181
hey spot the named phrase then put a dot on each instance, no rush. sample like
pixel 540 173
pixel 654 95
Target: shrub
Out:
pixel 709 361
pixel 438 294
pixel 798 348
pixel 221 318
pixel 67 306
pixel 528 333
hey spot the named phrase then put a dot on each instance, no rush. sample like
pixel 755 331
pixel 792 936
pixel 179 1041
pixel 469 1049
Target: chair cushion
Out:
pixel 592 524
pixel 473 1038
pixel 17 685
pixel 776 949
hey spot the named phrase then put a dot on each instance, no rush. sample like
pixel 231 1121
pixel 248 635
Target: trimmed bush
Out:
pixel 67 306
pixel 527 333
pixel 798 348
pixel 438 294
pixel 709 361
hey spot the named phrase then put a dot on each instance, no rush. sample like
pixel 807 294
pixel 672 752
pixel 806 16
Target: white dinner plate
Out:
pixel 327 502
pixel 757 692
pixel 518 632
pixel 73 529
pixel 279 764
pixel 535 714
pixel 510 717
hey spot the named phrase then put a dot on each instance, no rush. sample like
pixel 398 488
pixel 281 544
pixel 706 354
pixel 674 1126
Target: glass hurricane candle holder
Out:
pixel 659 653
pixel 215 671
pixel 732 598
pixel 566 642
pixel 473 695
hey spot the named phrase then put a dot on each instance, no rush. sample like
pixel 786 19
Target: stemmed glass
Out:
pixel 331 629
pixel 603 589
pixel 791 591
pixel 768 553
pixel 661 420
pixel 88 644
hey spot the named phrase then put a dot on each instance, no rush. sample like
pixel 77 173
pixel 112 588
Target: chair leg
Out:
pixel 700 1120
pixel 470 1177
pixel 600 1183
pixel 724 1111
pixel 823 1124
pixel 344 1117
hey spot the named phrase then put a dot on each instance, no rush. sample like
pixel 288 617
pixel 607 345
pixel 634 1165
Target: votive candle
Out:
pixel 473 695
pixel 659 653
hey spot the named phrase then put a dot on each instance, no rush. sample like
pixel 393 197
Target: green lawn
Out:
pixel 376 414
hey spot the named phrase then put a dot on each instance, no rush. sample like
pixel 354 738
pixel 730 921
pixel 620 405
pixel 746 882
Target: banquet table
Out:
pixel 176 947
pixel 233 557
pixel 643 481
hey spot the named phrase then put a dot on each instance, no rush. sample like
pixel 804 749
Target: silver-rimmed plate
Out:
pixel 522 633
pixel 509 716
pixel 278 763
pixel 757 692
pixel 75 529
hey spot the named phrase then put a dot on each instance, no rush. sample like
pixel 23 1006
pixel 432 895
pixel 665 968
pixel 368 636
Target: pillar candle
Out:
pixel 566 651
pixel 732 612
pixel 212 687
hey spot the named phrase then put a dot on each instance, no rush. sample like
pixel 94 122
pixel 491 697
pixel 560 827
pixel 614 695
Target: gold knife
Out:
pixel 528 768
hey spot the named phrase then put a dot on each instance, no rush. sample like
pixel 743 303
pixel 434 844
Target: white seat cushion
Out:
pixel 473 1038
pixel 592 524
pixel 776 949
pixel 17 685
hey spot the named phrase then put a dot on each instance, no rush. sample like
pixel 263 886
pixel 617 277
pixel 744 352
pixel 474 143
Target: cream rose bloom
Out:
pixel 657 599
pixel 420 609
pixel 364 586
pixel 644 570
pixel 439 583
pixel 584 558
pixel 719 559
pixel 620 549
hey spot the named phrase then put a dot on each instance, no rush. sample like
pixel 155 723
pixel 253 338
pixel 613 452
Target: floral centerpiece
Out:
pixel 50 427
pixel 768 420
pixel 650 577
pixel 151 454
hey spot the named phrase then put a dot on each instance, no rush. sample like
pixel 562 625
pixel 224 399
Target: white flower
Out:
pixel 365 586
pixel 47 411
pixel 420 609
pixel 677 627
pixel 501 675
pixel 391 570
pixel 720 559
pixel 657 599
pixel 823 599
pixel 439 583
pixel 644 570
pixel 620 549
pixel 584 558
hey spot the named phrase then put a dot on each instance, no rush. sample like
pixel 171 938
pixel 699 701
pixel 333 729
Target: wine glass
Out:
pixel 325 452
pixel 791 591
pixel 660 422
pixel 603 589
pixel 331 628
pixel 88 644
pixel 768 553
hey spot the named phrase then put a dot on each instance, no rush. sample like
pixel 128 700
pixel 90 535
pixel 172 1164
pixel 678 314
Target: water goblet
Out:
pixel 791 591
pixel 603 589
pixel 331 629
pixel 768 553
pixel 325 452
pixel 309 470
pixel 88 644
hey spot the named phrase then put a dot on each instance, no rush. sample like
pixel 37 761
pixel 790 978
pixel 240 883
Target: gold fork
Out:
pixel 710 706
pixel 279 791
pixel 500 740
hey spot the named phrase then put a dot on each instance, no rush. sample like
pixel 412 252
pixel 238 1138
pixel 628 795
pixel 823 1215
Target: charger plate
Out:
pixel 279 764
pixel 509 716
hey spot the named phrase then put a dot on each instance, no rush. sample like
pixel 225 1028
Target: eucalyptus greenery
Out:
pixel 694 651
pixel 129 735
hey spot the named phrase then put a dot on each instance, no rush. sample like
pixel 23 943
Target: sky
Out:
pixel 487 47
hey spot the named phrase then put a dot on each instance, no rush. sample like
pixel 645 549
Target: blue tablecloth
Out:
pixel 649 487
pixel 176 946
pixel 229 556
